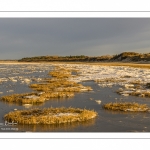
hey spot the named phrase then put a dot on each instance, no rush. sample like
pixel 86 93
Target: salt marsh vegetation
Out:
pixel 27 98
pixel 50 115
pixel 57 87
pixel 132 81
pixel 44 85
pixel 134 107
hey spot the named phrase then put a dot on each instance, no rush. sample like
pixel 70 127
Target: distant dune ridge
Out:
pixel 124 57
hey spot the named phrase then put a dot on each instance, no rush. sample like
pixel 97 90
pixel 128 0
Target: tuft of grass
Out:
pixel 56 85
pixel 61 73
pixel 126 107
pixel 27 98
pixel 50 115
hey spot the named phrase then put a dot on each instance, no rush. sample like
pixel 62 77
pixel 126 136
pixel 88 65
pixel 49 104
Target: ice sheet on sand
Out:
pixel 64 114
pixel 89 72
pixel 31 97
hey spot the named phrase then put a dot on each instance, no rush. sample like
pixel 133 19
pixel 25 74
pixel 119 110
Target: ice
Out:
pixel 31 97
pixel 98 101
pixel 27 105
pixel 27 80
pixel 128 85
pixel 148 76
pixel 3 79
pixel 11 91
pixel 89 72
pixel 12 79
pixel 64 114
pixel 125 94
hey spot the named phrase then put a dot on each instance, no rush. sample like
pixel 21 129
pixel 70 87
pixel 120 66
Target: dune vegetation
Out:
pixel 125 57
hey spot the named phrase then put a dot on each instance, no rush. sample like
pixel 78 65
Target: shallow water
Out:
pixel 106 121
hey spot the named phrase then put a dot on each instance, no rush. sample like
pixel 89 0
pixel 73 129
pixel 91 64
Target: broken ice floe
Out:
pixel 31 97
pixel 98 101
pixel 130 79
pixel 27 105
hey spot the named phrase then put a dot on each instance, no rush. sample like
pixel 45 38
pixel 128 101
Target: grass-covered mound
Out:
pixel 126 107
pixel 141 93
pixel 50 115
pixel 59 83
pixel 60 73
pixel 48 95
pixel 33 98
pixel 27 98
pixel 59 86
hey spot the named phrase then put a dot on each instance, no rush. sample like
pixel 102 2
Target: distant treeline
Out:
pixel 125 56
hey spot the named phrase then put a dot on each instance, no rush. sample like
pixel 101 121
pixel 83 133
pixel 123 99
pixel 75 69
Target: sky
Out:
pixel 29 37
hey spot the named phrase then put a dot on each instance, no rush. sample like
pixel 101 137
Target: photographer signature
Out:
pixel 8 123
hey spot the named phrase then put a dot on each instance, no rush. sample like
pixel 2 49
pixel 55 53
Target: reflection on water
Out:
pixel 124 112
pixel 53 128
pixel 19 104
pixel 58 100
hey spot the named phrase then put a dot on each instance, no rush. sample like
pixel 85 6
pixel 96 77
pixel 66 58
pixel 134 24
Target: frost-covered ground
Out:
pixel 104 76
pixel 107 76
pixel 18 72
pixel 15 78
pixel 94 72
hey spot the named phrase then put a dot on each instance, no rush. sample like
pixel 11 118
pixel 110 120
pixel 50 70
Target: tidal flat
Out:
pixel 110 83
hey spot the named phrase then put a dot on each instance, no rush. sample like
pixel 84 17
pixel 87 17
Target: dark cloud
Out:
pixel 25 37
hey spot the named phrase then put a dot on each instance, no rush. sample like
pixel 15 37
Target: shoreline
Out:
pixel 130 64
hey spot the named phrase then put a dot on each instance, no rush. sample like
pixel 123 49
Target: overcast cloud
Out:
pixel 72 36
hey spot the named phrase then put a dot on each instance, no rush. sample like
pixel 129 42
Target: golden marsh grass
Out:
pixel 53 85
pixel 61 73
pixel 126 107
pixel 142 94
pixel 50 115
pixel 27 98
pixel 137 82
